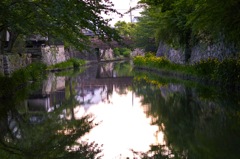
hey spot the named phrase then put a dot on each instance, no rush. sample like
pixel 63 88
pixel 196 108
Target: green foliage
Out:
pixel 125 29
pixel 125 52
pixel 123 69
pixel 17 86
pixel 206 68
pixel 168 21
pixel 217 19
pixel 71 63
pixel 58 18
pixel 32 72
pixel 116 52
pixel 152 61
pixel 227 72
pixel 150 54
pixel 54 136
pixel 144 33
pixel 36 70
pixel 19 45
pixel 77 62
pixel 72 73
pixel 122 52
pixel 183 115
pixel 183 22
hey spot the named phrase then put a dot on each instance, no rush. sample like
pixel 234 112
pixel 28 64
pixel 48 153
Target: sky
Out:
pixel 123 6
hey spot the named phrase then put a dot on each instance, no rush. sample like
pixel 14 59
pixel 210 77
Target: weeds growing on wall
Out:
pixel 226 72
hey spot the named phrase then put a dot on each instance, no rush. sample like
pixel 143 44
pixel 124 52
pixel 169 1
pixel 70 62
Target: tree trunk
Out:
pixel 71 99
pixel 103 54
pixel 3 34
pixel 188 49
pixel 12 39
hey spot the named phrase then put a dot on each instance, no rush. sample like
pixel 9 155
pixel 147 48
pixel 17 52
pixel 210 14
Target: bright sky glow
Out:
pixel 123 126
pixel 123 6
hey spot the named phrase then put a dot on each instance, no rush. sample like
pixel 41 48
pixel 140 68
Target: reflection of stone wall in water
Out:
pixel 53 83
pixel 107 70
pixel 48 97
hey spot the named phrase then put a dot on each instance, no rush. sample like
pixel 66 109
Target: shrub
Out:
pixel 71 63
pixel 228 71
pixel 206 68
pixel 35 70
pixel 150 54
pixel 77 62
pixel 121 51
pixel 116 52
pixel 152 61
pixel 126 53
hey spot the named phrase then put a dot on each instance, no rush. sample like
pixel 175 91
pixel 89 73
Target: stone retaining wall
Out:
pixel 200 51
pixel 53 54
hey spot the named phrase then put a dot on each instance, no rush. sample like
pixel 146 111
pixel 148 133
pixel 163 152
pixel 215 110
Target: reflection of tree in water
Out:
pixel 123 69
pixel 109 76
pixel 193 127
pixel 55 137
pixel 121 89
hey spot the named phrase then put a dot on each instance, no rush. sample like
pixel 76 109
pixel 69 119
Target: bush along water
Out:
pixel 71 63
pixel 17 83
pixel 225 73
pixel 118 52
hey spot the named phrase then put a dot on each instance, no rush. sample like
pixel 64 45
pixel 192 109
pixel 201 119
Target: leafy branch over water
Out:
pixel 54 136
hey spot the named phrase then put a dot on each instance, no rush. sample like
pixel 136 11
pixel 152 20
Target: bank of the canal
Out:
pixel 224 74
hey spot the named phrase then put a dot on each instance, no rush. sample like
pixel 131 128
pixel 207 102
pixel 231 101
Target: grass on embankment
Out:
pixel 224 73
pixel 71 63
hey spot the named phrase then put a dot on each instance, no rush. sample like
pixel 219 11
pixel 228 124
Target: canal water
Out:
pixel 113 111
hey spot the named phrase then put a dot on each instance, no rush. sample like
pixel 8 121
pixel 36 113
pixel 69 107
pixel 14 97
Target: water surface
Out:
pixel 136 114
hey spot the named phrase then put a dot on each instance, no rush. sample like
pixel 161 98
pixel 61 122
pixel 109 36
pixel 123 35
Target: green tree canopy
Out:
pixel 59 18
pixel 168 22
pixel 124 28
pixel 183 23
pixel 217 19
pixel 144 33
